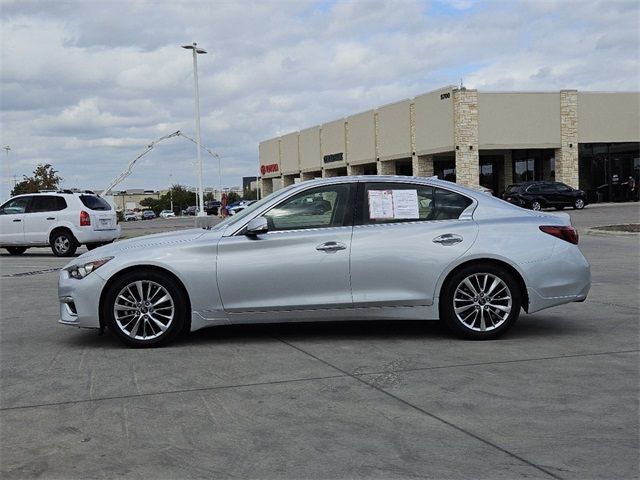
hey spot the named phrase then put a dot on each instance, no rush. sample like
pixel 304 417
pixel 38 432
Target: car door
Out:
pixel 40 217
pixel 405 236
pixel 12 221
pixel 301 263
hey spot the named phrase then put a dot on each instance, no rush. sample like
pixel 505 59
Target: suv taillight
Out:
pixel 568 234
pixel 85 219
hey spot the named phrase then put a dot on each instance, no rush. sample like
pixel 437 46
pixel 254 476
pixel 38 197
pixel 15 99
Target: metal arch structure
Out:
pixel 127 171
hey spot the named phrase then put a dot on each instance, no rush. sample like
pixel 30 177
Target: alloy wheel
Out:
pixel 62 244
pixel 144 310
pixel 482 302
pixel 535 206
pixel 579 203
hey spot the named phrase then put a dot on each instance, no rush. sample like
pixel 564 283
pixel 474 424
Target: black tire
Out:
pixel 579 203
pixel 535 205
pixel 124 327
pixel 16 250
pixel 473 331
pixel 63 243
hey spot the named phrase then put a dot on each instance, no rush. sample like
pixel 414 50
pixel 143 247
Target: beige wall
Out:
pixel 518 120
pixel 608 117
pixel 361 139
pixel 434 122
pixel 289 153
pixel 310 159
pixel 270 153
pixel 394 131
pixel 332 140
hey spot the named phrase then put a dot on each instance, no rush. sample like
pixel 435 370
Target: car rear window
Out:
pixel 94 202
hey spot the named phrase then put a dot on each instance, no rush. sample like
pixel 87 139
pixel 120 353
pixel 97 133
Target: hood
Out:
pixel 146 241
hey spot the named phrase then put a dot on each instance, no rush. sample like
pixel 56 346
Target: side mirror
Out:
pixel 256 226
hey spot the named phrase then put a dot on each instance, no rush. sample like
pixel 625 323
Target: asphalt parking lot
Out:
pixel 557 397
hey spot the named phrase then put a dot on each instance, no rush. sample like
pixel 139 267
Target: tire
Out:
pixel 578 204
pixel 145 324
pixel 480 314
pixel 536 205
pixel 63 243
pixel 16 250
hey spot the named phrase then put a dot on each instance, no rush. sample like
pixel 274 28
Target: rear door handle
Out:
pixel 51 218
pixel 331 247
pixel 447 239
pixel 17 220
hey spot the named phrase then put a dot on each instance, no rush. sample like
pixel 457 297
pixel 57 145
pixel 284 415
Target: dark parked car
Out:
pixel 192 210
pixel 212 207
pixel 538 195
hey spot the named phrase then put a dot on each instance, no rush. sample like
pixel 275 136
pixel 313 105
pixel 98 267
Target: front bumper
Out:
pixel 80 300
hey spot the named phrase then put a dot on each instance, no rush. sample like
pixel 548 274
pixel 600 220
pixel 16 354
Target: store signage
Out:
pixel 334 157
pixel 271 168
pixel 445 95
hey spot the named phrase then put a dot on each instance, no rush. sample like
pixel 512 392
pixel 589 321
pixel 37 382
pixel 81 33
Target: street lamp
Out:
pixel 197 51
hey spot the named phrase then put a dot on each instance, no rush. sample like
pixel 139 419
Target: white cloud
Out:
pixel 86 85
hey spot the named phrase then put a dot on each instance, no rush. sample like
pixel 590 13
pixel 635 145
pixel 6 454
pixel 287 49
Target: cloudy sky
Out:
pixel 87 84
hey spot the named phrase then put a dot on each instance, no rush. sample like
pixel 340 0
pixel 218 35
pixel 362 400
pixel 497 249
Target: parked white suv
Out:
pixel 63 220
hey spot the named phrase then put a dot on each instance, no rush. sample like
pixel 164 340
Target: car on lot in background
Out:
pixel 192 210
pixel 167 214
pixel 130 216
pixel 539 195
pixel 240 206
pixel 342 248
pixel 62 220
pixel 148 215
pixel 211 207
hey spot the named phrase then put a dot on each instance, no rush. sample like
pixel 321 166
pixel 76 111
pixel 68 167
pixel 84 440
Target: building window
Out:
pixel 529 165
pixel 605 168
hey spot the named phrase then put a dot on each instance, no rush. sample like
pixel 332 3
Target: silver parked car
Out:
pixel 341 248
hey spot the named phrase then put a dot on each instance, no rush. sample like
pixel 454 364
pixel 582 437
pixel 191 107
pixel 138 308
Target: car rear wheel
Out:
pixel 16 250
pixel 578 204
pixel 480 302
pixel 535 205
pixel 145 309
pixel 63 243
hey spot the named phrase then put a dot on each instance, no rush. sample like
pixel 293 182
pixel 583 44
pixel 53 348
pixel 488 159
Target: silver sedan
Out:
pixel 341 248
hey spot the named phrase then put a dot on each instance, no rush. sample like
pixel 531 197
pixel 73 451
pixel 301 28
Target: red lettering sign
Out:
pixel 272 168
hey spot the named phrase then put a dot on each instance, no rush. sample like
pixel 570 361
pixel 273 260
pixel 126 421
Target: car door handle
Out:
pixel 448 239
pixel 17 220
pixel 51 218
pixel 331 247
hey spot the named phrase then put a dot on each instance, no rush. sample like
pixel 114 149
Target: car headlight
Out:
pixel 82 270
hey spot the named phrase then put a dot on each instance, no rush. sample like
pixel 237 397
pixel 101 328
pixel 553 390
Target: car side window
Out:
pixel 561 187
pixel 321 207
pixel 404 202
pixel 15 206
pixel 46 203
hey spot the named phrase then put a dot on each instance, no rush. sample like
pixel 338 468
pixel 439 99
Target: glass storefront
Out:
pixel 606 169
pixel 529 165
pixel 444 167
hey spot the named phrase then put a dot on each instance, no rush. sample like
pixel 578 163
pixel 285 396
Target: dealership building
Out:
pixel 588 140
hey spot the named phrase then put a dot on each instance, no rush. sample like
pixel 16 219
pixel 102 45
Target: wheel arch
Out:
pixel 124 271
pixel 493 261
pixel 61 228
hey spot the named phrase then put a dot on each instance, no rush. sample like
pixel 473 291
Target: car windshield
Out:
pixel 239 217
pixel 94 202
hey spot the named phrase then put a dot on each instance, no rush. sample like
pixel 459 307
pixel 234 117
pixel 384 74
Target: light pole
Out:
pixel 171 190
pixel 197 51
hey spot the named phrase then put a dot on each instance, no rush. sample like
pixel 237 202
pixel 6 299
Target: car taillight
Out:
pixel 569 234
pixel 85 219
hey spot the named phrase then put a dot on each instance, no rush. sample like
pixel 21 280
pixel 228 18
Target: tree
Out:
pixel 249 194
pixel 233 197
pixel 44 178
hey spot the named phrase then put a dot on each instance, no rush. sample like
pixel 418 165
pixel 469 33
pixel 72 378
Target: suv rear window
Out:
pixel 94 202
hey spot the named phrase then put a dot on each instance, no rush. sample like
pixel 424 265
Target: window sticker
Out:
pixel 393 204
pixel 405 204
pixel 380 204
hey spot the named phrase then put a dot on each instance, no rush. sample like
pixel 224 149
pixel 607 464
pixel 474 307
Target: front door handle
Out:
pixel 51 218
pixel 17 220
pixel 331 247
pixel 447 239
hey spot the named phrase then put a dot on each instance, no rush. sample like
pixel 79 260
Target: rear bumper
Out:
pixel 96 236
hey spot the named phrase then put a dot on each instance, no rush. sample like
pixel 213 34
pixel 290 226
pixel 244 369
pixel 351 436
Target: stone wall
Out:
pixel 422 166
pixel 387 167
pixel 266 187
pixel 465 137
pixel 567 154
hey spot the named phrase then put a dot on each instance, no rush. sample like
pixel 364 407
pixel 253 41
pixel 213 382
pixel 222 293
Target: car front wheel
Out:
pixel 480 302
pixel 145 309
pixel 63 244
pixel 535 205
pixel 578 204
